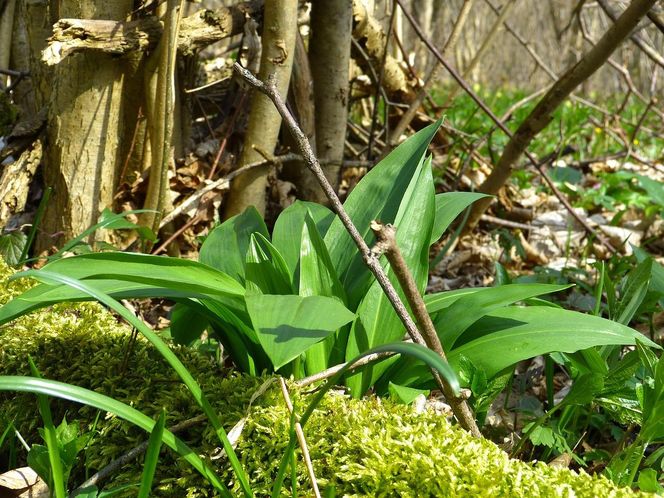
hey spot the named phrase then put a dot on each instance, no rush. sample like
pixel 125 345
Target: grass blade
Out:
pixel 152 456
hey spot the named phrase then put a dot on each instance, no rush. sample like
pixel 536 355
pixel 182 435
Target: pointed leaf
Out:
pixel 448 206
pixel 377 321
pixel 377 196
pixel 265 268
pixel 288 229
pixel 226 246
pixel 451 322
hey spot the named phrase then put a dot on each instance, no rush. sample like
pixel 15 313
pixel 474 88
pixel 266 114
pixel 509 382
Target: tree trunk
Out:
pixel 279 30
pixel 329 57
pixel 84 129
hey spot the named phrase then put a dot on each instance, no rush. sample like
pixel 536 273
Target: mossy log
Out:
pixel 364 447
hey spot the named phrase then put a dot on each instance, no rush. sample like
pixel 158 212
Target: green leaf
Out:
pixel 585 389
pixel 187 324
pixel 289 325
pixel 11 247
pixel 105 404
pixel 377 321
pixel 509 335
pixel 451 322
pixel 405 395
pixel 634 292
pixel 319 278
pixel 448 206
pixel 266 269
pixel 441 300
pixel 129 276
pixel 105 221
pixel 289 225
pixel 648 482
pixel 152 456
pixel 226 246
pixel 378 196
pixel 657 277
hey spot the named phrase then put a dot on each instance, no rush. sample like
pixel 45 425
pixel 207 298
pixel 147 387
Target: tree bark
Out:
pixel 542 114
pixel 83 129
pixel 279 30
pixel 329 57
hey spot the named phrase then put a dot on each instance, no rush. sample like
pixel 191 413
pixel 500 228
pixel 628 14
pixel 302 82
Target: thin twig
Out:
pixel 386 243
pixel 133 453
pixel 332 371
pixel 370 260
pixel 466 87
pixel 300 438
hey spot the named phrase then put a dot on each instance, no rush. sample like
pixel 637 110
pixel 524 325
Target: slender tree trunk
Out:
pixel 329 57
pixel 279 30
pixel 84 129
pixel 542 114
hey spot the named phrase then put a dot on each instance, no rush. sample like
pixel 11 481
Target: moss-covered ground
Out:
pixel 365 448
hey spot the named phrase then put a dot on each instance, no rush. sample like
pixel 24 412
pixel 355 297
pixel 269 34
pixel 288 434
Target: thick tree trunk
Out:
pixel 329 57
pixel 84 129
pixel 279 30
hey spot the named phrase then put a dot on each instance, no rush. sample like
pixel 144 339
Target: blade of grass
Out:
pixel 166 353
pixel 57 486
pixel 35 224
pixel 152 456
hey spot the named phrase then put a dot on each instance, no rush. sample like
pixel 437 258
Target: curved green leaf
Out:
pixel 101 402
pixel 509 335
pixel 226 246
pixel 448 206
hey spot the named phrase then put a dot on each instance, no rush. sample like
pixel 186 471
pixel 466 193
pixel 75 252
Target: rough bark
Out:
pixel 329 57
pixel 542 114
pixel 120 37
pixel 84 128
pixel 278 40
pixel 15 182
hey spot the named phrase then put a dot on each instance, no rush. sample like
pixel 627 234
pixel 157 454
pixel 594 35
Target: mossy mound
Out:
pixel 364 448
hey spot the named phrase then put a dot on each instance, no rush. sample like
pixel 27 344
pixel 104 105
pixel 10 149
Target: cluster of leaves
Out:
pixel 302 300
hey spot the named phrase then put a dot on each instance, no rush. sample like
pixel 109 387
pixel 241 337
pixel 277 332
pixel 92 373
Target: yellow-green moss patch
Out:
pixel 365 448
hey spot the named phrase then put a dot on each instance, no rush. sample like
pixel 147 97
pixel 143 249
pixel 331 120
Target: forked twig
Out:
pixel 370 260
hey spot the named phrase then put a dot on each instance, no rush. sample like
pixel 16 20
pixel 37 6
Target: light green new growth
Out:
pixel 365 448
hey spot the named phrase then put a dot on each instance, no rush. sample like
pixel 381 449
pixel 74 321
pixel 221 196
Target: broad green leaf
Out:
pixel 289 325
pixel 509 335
pixel 318 278
pixel 405 395
pixel 152 456
pixel 452 321
pixel 378 196
pixel 288 229
pixel 377 321
pixel 11 247
pixel 265 269
pixel 105 404
pixel 226 246
pixel 448 206
pixel 441 300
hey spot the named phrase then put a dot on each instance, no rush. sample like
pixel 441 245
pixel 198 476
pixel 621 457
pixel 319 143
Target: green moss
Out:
pixel 8 114
pixel 364 448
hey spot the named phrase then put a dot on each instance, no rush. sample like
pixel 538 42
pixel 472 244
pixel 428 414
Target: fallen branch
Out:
pixel 370 260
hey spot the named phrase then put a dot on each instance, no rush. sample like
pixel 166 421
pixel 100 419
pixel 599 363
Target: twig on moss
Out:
pixel 133 454
pixel 370 260
pixel 386 237
pixel 332 371
pixel 301 439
